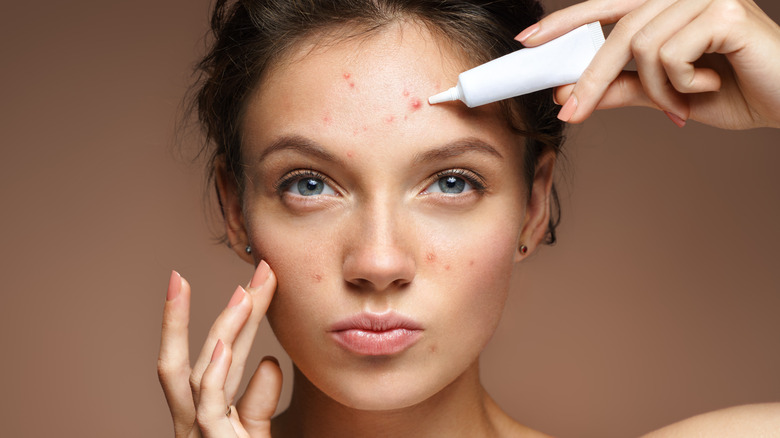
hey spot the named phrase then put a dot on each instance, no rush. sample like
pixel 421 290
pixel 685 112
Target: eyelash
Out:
pixel 286 181
pixel 473 178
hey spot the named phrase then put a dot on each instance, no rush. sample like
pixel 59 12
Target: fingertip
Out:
pixel 174 286
pixel 218 349
pixel 526 35
pixel 262 272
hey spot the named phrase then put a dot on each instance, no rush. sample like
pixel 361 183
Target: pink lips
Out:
pixel 373 334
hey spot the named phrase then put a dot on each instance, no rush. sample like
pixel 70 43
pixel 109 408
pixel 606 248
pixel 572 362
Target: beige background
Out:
pixel 660 301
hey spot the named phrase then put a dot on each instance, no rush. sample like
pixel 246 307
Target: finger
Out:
pixel 688 45
pixel 226 327
pixel 173 364
pixel 211 417
pixel 261 289
pixel 626 90
pixel 608 63
pixel 568 19
pixel 259 402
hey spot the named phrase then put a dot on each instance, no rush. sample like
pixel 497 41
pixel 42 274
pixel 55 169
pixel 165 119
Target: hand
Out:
pixel 199 397
pixel 714 61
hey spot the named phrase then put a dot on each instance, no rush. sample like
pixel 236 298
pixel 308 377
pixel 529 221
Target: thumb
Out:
pixel 258 403
pixel 625 90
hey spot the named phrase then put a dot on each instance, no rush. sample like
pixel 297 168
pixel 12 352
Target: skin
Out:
pixel 713 61
pixel 353 254
pixel 381 237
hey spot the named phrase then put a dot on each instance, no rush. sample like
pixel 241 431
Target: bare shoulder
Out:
pixel 758 420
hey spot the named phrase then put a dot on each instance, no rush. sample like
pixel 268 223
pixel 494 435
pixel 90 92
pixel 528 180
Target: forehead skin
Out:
pixel 369 93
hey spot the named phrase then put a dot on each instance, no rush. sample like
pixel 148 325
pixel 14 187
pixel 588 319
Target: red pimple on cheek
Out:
pixel 350 154
pixel 471 262
pixel 415 104
pixel 447 267
pixel 431 257
pixel 406 93
pixel 389 119
pixel 346 75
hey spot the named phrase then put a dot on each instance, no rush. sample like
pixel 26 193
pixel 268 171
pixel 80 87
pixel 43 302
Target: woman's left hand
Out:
pixel 714 61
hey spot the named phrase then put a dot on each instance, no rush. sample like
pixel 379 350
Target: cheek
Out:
pixel 301 258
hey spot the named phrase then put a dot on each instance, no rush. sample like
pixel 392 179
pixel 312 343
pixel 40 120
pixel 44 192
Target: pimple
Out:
pixel 471 262
pixel 415 104
pixel 446 267
pixel 347 75
pixel 327 119
pixel 389 119
pixel 317 278
pixel 431 257
pixel 351 154
pixel 406 93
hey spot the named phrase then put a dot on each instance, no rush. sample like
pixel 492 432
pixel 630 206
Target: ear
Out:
pixel 537 213
pixel 232 211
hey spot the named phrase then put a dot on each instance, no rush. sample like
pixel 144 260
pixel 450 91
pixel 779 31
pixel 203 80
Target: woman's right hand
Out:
pixel 201 397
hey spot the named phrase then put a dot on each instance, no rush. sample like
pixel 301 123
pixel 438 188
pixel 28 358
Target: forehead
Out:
pixel 369 89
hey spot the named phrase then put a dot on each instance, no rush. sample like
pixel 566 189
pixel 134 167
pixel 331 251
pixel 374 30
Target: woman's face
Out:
pixel 392 225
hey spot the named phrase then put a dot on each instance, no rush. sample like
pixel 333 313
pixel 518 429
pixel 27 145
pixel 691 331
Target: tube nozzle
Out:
pixel 444 96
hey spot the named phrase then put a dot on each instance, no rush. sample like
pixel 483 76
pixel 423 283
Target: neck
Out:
pixel 462 408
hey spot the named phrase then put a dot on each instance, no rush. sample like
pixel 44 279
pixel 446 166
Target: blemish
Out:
pixel 406 93
pixel 327 119
pixel 351 154
pixel 446 267
pixel 351 84
pixel 415 103
pixel 406 117
pixel 365 128
pixel 389 119
pixel 317 278
pixel 346 75
pixel 354 132
pixel 431 257
pixel 471 262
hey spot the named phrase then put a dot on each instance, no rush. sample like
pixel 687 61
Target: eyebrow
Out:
pixel 455 148
pixel 299 144
pixel 308 146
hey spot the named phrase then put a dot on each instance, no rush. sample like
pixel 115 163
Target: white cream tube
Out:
pixel 554 63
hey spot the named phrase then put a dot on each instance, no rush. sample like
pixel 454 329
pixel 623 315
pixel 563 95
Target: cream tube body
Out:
pixel 557 62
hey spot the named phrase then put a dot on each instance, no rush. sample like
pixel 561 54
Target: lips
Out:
pixel 372 334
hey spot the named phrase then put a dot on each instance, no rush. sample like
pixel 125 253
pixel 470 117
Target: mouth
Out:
pixel 372 334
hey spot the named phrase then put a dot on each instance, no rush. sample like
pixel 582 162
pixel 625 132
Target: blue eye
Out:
pixel 307 184
pixel 450 185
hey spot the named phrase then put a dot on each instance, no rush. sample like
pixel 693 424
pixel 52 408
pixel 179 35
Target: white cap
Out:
pixel 445 96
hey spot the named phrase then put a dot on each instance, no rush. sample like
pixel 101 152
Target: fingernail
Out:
pixel 568 109
pixel 217 350
pixel 174 286
pixel 261 274
pixel 555 101
pixel 530 30
pixel 676 119
pixel 238 295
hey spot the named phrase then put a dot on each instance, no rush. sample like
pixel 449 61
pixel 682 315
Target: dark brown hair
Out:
pixel 249 36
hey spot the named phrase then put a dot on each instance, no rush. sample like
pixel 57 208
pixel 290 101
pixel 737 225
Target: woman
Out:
pixel 386 229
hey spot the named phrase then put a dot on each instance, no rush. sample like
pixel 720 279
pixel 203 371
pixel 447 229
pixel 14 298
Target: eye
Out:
pixel 306 183
pixel 454 182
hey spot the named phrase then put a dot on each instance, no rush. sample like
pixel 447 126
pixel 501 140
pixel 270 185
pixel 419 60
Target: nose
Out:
pixel 379 256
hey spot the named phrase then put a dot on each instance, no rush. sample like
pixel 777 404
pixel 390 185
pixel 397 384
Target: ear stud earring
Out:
pixel 523 249
pixel 248 249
